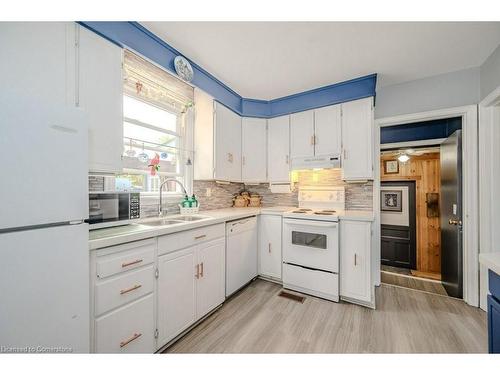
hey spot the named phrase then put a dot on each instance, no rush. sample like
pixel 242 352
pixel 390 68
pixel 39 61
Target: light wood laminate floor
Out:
pixel 257 320
pixel 431 286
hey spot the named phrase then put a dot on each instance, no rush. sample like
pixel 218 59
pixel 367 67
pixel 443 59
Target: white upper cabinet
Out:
pixel 278 160
pixel 203 164
pixel 357 139
pixel 327 130
pixel 227 144
pixel 100 95
pixel 254 150
pixel 302 134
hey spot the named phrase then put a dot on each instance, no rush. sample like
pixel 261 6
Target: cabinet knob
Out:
pixel 197 271
pixel 269 247
pixel 355 259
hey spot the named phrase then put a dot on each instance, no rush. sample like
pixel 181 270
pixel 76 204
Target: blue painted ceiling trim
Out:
pixel 135 37
pixel 418 131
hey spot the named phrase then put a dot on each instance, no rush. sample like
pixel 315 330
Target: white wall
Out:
pixel 442 91
pixel 490 73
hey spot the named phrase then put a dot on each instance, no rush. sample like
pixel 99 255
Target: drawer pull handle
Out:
pixel 125 291
pixel 200 237
pixel 269 247
pixel 197 271
pixel 201 272
pixel 355 259
pixel 131 263
pixel 128 341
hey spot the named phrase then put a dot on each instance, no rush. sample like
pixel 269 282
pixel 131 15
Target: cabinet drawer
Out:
pixel 494 284
pixel 181 240
pixel 123 289
pixel 318 283
pixel 129 329
pixel 125 257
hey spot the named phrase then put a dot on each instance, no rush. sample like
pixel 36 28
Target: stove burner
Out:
pixel 323 213
pixel 328 211
pixel 302 211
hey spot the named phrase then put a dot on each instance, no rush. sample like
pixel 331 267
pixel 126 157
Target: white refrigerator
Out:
pixel 44 256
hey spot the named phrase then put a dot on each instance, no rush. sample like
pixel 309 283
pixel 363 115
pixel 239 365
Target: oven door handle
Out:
pixel 311 223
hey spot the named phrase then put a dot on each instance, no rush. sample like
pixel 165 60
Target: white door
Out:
pixel 241 253
pixel 270 260
pixel 44 278
pixel 101 97
pixel 254 150
pixel 227 144
pixel 43 136
pixel 278 160
pixel 357 139
pixel 176 293
pixel 302 134
pixel 355 275
pixel 210 285
pixel 327 130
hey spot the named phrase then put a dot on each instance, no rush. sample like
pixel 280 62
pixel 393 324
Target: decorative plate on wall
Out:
pixel 183 68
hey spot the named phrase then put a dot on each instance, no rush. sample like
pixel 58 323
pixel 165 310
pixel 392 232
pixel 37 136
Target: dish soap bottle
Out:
pixel 185 202
pixel 194 201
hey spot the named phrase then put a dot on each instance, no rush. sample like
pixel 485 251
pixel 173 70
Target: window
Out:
pixel 156 116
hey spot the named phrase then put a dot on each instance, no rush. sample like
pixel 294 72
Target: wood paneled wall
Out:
pixel 425 171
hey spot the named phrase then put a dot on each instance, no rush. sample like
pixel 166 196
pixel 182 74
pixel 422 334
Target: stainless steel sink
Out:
pixel 191 218
pixel 161 222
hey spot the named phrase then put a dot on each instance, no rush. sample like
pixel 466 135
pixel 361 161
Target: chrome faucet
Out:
pixel 160 209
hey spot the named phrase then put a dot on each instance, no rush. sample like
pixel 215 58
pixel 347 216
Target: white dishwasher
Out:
pixel 241 253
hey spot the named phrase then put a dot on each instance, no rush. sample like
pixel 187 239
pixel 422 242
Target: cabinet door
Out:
pixel 254 150
pixel 176 293
pixel 278 160
pixel 327 130
pixel 357 139
pixel 210 284
pixel 355 275
pixel 270 259
pixel 302 134
pixel 227 144
pixel 101 97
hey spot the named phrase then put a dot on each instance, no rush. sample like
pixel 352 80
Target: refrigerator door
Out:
pixel 451 215
pixel 44 274
pixel 44 152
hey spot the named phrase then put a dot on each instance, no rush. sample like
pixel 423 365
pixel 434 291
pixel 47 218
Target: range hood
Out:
pixel 314 162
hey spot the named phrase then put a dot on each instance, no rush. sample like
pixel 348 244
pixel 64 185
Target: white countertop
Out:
pixel 100 238
pixel 491 261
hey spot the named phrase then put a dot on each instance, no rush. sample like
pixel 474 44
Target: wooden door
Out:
pixel 254 150
pixel 278 160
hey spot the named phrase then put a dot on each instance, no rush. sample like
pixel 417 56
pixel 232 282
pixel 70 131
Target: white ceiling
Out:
pixel 267 60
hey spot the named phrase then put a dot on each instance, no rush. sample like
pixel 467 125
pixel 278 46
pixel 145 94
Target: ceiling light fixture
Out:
pixel 403 158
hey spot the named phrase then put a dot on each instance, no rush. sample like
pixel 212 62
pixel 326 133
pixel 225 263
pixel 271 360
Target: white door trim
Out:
pixel 489 136
pixel 469 184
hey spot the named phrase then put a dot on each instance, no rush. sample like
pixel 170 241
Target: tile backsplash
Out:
pixel 359 196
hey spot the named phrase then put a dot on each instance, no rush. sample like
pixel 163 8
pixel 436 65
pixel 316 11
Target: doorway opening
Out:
pixel 420 206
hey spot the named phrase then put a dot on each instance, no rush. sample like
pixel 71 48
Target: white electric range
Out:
pixel 311 242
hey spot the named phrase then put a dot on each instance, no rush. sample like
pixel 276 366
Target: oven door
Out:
pixel 311 243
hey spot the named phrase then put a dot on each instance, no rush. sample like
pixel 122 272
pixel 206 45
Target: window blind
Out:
pixel 148 82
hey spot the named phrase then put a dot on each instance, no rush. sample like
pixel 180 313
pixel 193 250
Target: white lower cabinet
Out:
pixel 176 293
pixel 190 285
pixel 270 258
pixel 130 329
pixel 355 266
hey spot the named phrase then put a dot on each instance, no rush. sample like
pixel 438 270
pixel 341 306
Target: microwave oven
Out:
pixel 108 209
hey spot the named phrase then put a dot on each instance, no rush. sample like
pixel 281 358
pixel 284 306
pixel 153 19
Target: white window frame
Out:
pixel 184 124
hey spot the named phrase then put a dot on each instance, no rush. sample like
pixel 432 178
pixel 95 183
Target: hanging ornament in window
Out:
pixel 164 155
pixel 154 164
pixel 143 157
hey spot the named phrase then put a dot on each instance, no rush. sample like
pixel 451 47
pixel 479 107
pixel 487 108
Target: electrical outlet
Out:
pixel 208 192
